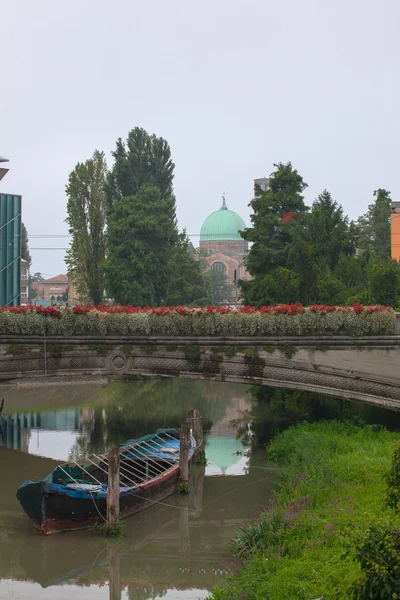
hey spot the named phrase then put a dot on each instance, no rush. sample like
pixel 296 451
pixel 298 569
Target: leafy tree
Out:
pixel 385 282
pixel 320 239
pixel 188 283
pixel 37 277
pixel 374 226
pixel 144 160
pixel 275 212
pixel 222 292
pixel 87 209
pixel 142 235
pixel 25 254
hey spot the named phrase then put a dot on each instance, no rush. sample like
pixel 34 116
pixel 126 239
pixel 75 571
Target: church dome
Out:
pixel 223 224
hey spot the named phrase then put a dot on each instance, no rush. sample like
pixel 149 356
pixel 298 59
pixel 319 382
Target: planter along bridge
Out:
pixel 363 368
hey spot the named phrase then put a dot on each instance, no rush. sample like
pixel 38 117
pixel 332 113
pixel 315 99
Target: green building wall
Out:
pixel 10 250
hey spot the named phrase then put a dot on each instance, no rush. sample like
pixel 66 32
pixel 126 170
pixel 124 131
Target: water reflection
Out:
pixel 173 550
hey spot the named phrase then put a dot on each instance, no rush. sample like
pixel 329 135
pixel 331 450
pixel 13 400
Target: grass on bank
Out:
pixel 309 543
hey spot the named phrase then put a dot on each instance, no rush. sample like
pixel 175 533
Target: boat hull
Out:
pixel 54 512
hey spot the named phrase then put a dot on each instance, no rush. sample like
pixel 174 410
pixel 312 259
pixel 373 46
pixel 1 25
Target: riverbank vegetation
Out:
pixel 330 531
pixel 281 320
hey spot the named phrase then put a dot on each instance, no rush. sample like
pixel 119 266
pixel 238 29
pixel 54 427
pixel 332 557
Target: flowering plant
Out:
pixel 283 319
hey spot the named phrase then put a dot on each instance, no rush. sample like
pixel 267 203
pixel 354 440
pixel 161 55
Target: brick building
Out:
pixel 220 237
pixel 51 289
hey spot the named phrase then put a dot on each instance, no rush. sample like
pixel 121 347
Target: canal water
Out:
pixel 175 550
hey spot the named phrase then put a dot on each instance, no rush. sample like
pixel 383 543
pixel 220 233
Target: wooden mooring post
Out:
pixel 184 449
pixel 196 421
pixel 113 488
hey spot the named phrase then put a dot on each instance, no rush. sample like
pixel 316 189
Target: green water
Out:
pixel 176 550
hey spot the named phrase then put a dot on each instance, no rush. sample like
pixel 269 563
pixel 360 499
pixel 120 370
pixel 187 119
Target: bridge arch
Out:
pixel 364 369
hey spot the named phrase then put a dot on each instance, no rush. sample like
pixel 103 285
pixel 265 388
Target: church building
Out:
pixel 226 249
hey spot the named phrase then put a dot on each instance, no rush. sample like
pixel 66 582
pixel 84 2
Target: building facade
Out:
pixel 10 249
pixel 51 290
pixel 226 249
pixel 263 183
pixel 395 230
pixel 24 281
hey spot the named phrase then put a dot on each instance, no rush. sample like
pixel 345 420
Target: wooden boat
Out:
pixel 74 496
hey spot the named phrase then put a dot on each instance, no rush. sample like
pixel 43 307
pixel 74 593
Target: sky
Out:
pixel 233 86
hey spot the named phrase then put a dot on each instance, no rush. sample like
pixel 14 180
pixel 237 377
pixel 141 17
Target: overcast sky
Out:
pixel 234 86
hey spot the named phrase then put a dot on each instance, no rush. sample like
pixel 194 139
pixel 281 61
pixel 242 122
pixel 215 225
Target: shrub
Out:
pixel 392 479
pixel 378 555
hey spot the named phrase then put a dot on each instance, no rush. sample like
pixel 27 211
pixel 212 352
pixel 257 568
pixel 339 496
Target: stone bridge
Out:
pixel 365 369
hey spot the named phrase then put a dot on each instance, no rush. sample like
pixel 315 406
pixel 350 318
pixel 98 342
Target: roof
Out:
pixel 58 279
pixel 223 224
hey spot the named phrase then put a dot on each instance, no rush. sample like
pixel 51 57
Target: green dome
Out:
pixel 223 224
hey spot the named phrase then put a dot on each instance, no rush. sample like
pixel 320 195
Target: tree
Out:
pixel 275 212
pixel 25 254
pixel 320 238
pixel 385 282
pixel 142 236
pixel 37 277
pixel 188 283
pixel 87 211
pixel 374 226
pixel 222 292
pixel 145 160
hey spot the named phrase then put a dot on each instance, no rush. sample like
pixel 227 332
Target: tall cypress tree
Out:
pixel 275 212
pixel 86 217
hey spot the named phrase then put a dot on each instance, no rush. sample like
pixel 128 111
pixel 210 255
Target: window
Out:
pixel 219 266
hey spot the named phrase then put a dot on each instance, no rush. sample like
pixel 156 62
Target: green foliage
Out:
pixel 188 282
pixel 250 353
pixel 318 256
pixel 184 487
pixel 15 349
pixel 143 161
pixel 378 554
pixel 287 350
pixel 392 479
pixel 373 228
pixel 127 350
pixel 267 261
pixel 25 254
pixel 192 352
pixel 330 490
pixel 222 292
pixel 148 348
pixel 108 530
pixel 142 234
pixel 321 239
pixel 86 210
pixel 230 351
pixel 99 348
pixel 385 282
pixel 270 349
